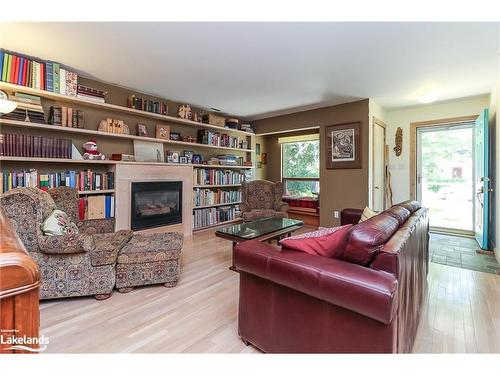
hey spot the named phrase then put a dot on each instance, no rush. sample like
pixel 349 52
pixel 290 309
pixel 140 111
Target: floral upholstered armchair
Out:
pixel 262 199
pixel 75 264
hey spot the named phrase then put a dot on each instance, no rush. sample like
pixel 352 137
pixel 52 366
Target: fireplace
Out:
pixel 155 204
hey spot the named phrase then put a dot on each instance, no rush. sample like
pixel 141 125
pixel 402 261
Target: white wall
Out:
pixel 374 110
pixel 399 167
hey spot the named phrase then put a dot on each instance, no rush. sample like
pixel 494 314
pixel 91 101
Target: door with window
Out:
pixel 300 165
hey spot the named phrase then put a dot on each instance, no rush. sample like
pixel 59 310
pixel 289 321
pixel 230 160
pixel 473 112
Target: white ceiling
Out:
pixel 259 69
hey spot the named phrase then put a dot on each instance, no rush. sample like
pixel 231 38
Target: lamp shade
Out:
pixel 6 105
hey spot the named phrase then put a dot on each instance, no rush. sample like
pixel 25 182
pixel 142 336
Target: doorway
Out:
pixel 442 172
pixel 378 165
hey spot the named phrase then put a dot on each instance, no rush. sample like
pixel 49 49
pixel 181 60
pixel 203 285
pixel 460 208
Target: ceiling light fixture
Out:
pixel 6 105
pixel 427 98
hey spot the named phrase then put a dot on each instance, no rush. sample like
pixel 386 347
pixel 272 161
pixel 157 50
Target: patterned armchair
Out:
pixel 262 199
pixel 71 265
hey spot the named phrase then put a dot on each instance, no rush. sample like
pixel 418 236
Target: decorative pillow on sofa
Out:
pixel 327 242
pixel 367 213
pixel 59 224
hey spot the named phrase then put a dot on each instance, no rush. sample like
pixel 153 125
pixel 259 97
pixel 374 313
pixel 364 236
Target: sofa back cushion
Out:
pixel 365 240
pixel 411 206
pixel 400 213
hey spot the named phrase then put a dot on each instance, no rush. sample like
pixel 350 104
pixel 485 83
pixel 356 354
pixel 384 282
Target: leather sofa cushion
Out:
pixel 400 213
pixel 411 206
pixel 365 240
pixel 327 242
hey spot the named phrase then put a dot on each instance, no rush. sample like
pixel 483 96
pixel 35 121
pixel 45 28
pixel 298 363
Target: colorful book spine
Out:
pixel 49 75
pixel 62 81
pixel 56 77
pixel 2 56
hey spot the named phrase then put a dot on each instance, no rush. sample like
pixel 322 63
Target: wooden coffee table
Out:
pixel 261 230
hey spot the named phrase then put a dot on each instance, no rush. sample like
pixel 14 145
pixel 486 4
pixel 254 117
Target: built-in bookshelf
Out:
pixel 224 213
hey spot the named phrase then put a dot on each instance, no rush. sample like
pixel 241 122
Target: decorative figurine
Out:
pixel 91 151
pixel 398 139
pixel 185 112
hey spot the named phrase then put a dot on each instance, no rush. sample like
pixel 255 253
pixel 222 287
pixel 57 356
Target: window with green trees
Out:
pixel 300 168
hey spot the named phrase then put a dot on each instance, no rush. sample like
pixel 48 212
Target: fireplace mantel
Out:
pixel 128 173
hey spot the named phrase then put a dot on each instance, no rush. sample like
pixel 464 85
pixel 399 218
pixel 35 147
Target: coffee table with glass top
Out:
pixel 261 230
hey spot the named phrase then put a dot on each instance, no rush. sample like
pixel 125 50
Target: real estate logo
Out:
pixel 22 343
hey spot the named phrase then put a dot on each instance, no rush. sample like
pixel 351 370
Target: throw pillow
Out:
pixel 328 242
pixel 367 213
pixel 59 224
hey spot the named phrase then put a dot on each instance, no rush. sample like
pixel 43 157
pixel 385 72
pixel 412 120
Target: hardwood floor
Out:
pixel 199 314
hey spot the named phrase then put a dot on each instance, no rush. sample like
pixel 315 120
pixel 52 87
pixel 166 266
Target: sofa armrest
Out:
pixel 282 207
pixel 93 226
pixel 244 207
pixel 350 216
pixel 70 244
pixel 368 292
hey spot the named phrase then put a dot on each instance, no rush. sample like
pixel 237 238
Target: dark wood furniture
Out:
pixel 19 290
pixel 261 230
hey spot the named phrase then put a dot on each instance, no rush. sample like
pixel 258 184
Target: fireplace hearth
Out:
pixel 156 204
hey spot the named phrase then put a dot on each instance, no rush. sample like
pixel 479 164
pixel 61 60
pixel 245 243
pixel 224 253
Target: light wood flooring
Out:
pixel 199 315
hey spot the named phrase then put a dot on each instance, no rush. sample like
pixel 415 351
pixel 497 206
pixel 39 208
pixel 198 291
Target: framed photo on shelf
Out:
pixel 182 160
pixel 189 156
pixel 175 156
pixel 197 159
pixel 343 147
pixel 142 130
pixel 174 136
pixel 163 131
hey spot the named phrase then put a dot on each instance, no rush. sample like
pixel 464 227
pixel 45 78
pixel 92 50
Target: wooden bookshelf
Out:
pixel 217 224
pixel 57 128
pixel 216 205
pixel 92 192
pixel 216 186
pixel 117 108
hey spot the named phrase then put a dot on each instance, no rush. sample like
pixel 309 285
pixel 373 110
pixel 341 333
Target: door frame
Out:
pixel 413 155
pixel 378 122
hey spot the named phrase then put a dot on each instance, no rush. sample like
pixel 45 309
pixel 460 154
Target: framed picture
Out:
pixel 197 159
pixel 142 130
pixel 263 158
pixel 163 131
pixel 257 149
pixel 148 151
pixel 174 136
pixel 343 147
pixel 183 160
pixel 175 156
pixel 189 156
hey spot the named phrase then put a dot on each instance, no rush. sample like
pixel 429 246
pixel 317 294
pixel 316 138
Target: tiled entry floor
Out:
pixel 461 252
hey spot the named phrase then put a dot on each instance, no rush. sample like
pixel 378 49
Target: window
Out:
pixel 300 165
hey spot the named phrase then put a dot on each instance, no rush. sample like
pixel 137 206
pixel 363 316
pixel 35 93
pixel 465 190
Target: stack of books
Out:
pixel 96 207
pixel 89 93
pixel 207 177
pixel 247 128
pixel 205 197
pixel 31 146
pixel 147 105
pixel 65 116
pixel 38 74
pixel 231 160
pixel 29 109
pixel 83 180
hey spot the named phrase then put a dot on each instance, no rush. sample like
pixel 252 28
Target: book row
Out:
pixel 202 176
pixel 212 138
pixel 96 207
pixel 82 180
pixel 38 74
pixel 205 197
pixel 33 146
pixel 212 216
pixel 147 105
pixel 66 116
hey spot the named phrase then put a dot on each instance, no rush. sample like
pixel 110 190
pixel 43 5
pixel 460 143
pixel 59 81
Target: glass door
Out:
pixel 445 175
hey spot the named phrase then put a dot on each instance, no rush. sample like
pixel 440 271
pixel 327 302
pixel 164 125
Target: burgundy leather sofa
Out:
pixel 367 302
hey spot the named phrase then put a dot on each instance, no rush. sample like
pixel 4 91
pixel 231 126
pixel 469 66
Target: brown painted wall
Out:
pixel 339 188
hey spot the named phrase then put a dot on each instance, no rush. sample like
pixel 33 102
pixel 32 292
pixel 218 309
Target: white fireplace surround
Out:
pixel 125 174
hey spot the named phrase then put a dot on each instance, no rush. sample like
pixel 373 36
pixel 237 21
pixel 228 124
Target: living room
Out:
pixel 249 187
